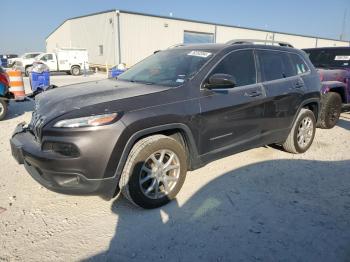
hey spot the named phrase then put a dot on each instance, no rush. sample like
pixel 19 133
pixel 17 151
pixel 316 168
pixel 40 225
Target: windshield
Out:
pixel 331 58
pixel 169 68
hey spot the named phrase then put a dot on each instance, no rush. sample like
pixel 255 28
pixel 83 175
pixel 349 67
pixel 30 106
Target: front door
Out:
pixel 231 117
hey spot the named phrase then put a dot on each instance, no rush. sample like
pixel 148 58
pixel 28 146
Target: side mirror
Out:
pixel 221 81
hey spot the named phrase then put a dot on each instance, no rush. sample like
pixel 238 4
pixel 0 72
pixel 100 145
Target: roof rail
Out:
pixel 177 45
pixel 259 41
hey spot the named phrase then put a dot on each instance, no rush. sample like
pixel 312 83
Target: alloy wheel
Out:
pixel 305 132
pixel 159 174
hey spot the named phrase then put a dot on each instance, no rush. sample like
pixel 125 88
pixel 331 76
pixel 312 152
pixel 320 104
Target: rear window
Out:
pixel 275 65
pixel 329 58
pixel 299 64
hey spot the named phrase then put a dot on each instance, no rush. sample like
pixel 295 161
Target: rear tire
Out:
pixel 3 109
pixel 75 70
pixel 302 134
pixel 154 171
pixel 331 105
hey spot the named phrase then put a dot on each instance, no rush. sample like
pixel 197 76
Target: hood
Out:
pixel 333 74
pixel 58 101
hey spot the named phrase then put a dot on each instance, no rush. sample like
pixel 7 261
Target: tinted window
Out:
pixel 240 65
pixel 299 64
pixel 329 58
pixel 275 65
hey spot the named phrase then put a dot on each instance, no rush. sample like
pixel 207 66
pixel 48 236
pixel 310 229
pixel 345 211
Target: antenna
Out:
pixel 342 35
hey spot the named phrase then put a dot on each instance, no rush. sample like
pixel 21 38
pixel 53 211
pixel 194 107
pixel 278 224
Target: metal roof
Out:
pixel 194 21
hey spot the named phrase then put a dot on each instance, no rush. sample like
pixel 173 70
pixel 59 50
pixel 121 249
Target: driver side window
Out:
pixel 240 65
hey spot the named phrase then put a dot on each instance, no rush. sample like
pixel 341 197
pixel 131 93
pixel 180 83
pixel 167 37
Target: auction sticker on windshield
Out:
pixel 199 54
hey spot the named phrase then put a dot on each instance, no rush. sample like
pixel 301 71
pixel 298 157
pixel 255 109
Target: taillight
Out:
pixel 4 79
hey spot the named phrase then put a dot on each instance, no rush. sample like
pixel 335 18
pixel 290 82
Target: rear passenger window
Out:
pixel 240 65
pixel 275 65
pixel 299 64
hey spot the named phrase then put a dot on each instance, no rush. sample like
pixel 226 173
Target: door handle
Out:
pixel 253 94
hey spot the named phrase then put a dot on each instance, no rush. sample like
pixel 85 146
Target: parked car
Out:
pixel 23 62
pixel 177 110
pixel 333 65
pixel 71 61
pixel 4 59
pixel 5 94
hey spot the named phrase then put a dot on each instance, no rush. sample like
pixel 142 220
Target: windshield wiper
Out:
pixel 142 82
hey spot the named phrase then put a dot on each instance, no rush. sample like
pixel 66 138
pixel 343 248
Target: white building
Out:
pixel 115 36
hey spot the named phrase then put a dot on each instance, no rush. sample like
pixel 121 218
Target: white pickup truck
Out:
pixel 71 61
pixel 23 62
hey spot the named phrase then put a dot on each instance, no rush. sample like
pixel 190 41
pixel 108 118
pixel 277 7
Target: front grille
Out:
pixel 36 125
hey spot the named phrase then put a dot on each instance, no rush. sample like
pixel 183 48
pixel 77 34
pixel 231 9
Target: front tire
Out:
pixel 331 106
pixel 302 134
pixel 154 171
pixel 3 109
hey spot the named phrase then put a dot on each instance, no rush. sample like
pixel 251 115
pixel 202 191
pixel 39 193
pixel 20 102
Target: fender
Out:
pixel 329 85
pixel 188 137
pixel 305 102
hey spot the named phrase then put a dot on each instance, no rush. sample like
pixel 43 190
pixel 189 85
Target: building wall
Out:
pixel 89 32
pixel 328 43
pixel 296 41
pixel 60 38
pixel 142 35
pixel 226 33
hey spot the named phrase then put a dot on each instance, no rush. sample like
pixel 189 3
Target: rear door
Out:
pixel 284 90
pixel 231 117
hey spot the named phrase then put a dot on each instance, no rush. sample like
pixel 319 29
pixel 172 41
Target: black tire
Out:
pixel 291 144
pixel 3 109
pixel 27 71
pixel 75 70
pixel 130 179
pixel 331 106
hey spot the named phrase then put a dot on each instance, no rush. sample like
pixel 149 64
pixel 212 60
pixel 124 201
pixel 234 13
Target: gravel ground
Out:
pixel 259 205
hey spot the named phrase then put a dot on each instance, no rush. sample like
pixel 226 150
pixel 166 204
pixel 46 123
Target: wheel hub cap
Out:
pixel 159 174
pixel 305 132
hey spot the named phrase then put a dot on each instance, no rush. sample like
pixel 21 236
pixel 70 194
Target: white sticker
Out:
pixel 199 54
pixel 342 58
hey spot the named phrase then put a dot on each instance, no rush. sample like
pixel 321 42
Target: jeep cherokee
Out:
pixel 177 110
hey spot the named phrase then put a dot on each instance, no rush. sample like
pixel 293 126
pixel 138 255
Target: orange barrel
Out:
pixel 16 84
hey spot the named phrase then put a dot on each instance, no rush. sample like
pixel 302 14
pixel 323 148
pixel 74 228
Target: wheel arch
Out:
pixel 339 90
pixel 178 131
pixel 312 104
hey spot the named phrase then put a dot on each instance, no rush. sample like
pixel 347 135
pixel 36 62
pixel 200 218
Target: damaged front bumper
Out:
pixel 55 172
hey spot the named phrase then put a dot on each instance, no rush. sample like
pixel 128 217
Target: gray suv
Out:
pixel 175 111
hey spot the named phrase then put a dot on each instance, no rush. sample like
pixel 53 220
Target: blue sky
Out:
pixel 25 24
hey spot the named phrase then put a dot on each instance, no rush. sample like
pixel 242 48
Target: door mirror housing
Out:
pixel 221 81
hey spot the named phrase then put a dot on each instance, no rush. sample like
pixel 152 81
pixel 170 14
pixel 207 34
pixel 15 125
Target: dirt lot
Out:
pixel 259 205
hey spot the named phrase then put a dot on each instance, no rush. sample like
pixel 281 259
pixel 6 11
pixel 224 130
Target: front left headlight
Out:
pixel 89 121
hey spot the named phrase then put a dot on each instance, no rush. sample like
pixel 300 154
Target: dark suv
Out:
pixel 333 65
pixel 175 111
